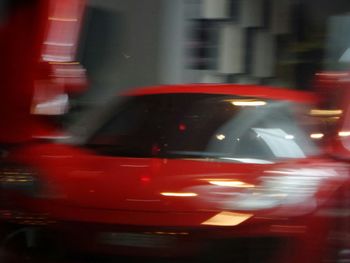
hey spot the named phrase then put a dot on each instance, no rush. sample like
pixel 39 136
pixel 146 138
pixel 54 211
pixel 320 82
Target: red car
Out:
pixel 221 172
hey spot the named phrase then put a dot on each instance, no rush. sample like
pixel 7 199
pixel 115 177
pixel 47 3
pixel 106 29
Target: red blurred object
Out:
pixel 182 127
pixel 334 90
pixel 176 201
pixel 145 179
pixel 38 46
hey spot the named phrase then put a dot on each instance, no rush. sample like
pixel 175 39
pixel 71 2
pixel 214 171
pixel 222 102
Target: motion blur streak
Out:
pixel 249 103
pixel 179 194
pixel 316 135
pixel 231 183
pixel 344 133
pixel 63 19
pixel 319 112
pixel 220 137
pixel 227 219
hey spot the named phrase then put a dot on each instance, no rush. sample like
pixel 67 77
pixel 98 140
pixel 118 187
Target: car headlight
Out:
pixel 282 187
pixel 18 178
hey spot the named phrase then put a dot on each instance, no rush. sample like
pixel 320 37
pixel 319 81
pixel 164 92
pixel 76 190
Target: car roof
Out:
pixel 276 93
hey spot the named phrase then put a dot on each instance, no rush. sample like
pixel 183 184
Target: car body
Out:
pixel 207 171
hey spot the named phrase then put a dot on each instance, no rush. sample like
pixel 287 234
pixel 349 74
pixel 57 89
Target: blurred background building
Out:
pixel 134 43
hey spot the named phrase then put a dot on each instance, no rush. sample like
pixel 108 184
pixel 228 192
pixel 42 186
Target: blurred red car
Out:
pixel 221 172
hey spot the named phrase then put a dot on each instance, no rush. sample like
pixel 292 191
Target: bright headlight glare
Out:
pixel 286 187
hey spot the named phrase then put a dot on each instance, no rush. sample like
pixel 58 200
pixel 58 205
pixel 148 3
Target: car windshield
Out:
pixel 214 126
